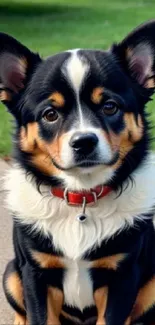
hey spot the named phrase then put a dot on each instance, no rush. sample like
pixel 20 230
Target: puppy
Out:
pixel 81 189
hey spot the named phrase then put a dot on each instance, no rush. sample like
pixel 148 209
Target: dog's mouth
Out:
pixel 81 164
pixel 86 163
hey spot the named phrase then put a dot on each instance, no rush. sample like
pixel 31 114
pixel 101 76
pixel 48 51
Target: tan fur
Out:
pixel 97 95
pixel 57 99
pixel 109 262
pixel 54 305
pixel 135 128
pixel 128 321
pixel 145 299
pixel 41 151
pixel 150 83
pixel 20 320
pixel 5 96
pixel 15 288
pixel 125 140
pixel 31 142
pixel 101 298
pixel 47 260
pixel 72 318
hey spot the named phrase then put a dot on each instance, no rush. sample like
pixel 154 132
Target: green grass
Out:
pixel 50 26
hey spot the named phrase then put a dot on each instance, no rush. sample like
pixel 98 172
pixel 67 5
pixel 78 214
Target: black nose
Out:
pixel 83 143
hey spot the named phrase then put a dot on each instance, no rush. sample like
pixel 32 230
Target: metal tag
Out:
pixel 82 217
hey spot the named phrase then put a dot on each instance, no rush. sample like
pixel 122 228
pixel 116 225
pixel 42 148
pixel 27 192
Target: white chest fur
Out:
pixel 51 215
pixel 78 291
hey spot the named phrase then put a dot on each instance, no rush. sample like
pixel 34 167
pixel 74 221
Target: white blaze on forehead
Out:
pixel 75 70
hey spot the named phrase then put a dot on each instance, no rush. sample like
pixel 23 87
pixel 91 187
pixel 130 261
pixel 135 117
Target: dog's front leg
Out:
pixel 54 305
pixel 101 298
pixel 43 303
pixel 35 296
pixel 121 297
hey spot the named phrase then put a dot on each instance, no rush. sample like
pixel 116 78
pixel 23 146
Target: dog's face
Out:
pixel 80 114
pixel 83 120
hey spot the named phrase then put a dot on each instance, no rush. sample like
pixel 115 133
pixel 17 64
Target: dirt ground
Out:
pixel 6 250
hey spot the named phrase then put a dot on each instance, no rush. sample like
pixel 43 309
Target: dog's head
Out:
pixel 80 114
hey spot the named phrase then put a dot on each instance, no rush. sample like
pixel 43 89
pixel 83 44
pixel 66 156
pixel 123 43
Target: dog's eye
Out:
pixel 50 115
pixel 110 108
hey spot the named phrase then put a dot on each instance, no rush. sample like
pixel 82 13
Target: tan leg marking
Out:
pixel 128 321
pixel 145 299
pixel 15 288
pixel 101 297
pixel 72 318
pixel 20 319
pixel 54 306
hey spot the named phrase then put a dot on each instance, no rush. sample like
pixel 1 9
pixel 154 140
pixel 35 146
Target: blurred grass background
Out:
pixel 50 26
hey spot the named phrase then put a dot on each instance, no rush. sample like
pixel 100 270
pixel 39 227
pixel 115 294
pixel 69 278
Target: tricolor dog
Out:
pixel 81 189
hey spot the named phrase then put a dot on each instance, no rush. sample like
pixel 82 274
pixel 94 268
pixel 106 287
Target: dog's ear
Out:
pixel 136 54
pixel 17 63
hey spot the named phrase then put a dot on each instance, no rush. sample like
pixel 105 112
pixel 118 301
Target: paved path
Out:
pixel 6 250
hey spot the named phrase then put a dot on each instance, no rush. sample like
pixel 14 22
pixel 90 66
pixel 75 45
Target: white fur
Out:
pixel 77 286
pixel 84 178
pixel 51 215
pixel 96 174
pixel 75 70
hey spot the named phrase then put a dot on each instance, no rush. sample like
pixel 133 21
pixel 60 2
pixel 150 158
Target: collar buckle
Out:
pixel 66 195
pixel 84 198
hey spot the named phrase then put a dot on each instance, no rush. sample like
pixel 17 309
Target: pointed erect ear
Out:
pixel 136 54
pixel 17 63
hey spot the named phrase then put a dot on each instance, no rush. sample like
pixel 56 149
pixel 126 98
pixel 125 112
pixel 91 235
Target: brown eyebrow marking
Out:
pixel 97 95
pixel 57 99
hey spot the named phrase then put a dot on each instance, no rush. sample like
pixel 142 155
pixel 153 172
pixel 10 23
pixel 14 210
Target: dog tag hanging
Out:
pixel 82 217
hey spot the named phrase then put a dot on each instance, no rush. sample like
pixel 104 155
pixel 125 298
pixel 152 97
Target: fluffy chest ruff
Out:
pixel 53 217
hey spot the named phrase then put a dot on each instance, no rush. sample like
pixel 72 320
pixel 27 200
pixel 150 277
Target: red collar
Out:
pixel 77 198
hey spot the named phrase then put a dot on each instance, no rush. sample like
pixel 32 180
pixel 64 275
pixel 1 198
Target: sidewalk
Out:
pixel 6 250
